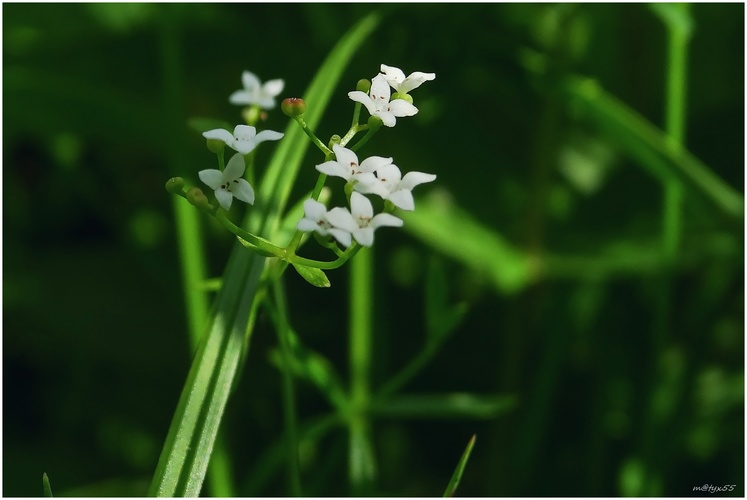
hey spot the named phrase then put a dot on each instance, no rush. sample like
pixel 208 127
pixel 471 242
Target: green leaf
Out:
pixel 254 248
pixel 676 16
pixel 201 125
pixel 313 275
pixel 46 486
pixel 457 476
pixel 183 462
pixel 452 231
pixel 454 405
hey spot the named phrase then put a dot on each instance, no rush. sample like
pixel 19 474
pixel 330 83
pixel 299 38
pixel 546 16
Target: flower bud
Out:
pixel 175 185
pixel 197 198
pixel 404 97
pixel 215 145
pixel 293 106
pixel 335 139
pixel 363 85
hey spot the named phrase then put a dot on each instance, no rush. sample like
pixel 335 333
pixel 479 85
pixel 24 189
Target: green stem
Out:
pixel 312 136
pixel 289 398
pixel 361 463
pixel 365 138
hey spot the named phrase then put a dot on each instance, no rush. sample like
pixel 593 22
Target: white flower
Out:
pixel 377 102
pixel 391 186
pixel 396 78
pixel 361 223
pixel 346 166
pixel 256 93
pixel 244 138
pixel 315 218
pixel 229 183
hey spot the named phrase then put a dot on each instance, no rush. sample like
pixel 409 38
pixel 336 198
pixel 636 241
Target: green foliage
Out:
pixel 457 476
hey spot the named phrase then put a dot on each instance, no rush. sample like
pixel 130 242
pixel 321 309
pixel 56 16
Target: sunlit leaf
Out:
pixel 457 475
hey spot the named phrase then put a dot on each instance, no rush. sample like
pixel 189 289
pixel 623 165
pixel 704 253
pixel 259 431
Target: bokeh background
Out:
pixel 623 375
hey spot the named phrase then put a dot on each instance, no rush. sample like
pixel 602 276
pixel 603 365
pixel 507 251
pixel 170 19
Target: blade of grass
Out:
pixel 456 405
pixel 185 455
pixel 46 486
pixel 459 471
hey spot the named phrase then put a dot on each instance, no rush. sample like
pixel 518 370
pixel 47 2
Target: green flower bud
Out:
pixel 335 139
pixel 215 145
pixel 293 106
pixel 374 122
pixel 197 198
pixel 175 185
pixel 404 97
pixel 363 85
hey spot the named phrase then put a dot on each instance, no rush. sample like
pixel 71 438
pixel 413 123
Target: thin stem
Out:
pixel 312 136
pixel 289 398
pixel 365 138
pixel 362 467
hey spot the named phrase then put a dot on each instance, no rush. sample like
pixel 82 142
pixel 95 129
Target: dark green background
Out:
pixel 95 346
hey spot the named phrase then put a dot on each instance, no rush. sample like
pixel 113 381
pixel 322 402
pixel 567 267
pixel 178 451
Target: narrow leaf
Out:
pixel 453 405
pixel 47 487
pixel 457 476
pixel 313 275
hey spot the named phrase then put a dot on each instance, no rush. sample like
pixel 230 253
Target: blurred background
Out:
pixel 604 365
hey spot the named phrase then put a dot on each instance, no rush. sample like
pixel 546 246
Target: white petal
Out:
pixel 374 162
pixel 389 175
pixel 362 97
pixel 374 187
pixel 307 225
pixel 345 157
pixel 220 134
pixel 393 74
pixel 273 87
pixel 342 236
pixel 334 169
pixel 265 102
pixel 380 90
pixel 250 81
pixel 224 198
pixel 212 177
pixel 387 118
pixel 365 179
pixel 313 209
pixel 400 107
pixel 244 132
pixel 402 199
pixel 340 218
pixel 382 220
pixel 415 80
pixel 413 179
pixel 364 236
pixel 235 168
pixel 240 97
pixel 268 135
pixel 360 206
pixel 242 190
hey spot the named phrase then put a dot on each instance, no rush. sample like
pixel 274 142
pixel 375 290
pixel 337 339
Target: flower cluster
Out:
pixel 374 175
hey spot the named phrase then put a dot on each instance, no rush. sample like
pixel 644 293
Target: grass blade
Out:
pixel 457 476
pixel 47 487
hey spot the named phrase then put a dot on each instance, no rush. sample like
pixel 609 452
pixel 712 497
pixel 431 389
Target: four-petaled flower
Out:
pixel 391 186
pixel 244 138
pixel 256 93
pixel 346 166
pixel 229 183
pixel 360 221
pixel 377 102
pixel 396 78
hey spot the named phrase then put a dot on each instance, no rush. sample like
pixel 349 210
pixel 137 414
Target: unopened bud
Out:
pixel 293 106
pixel 197 198
pixel 175 185
pixel 335 139
pixel 215 145
pixel 404 97
pixel 363 85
